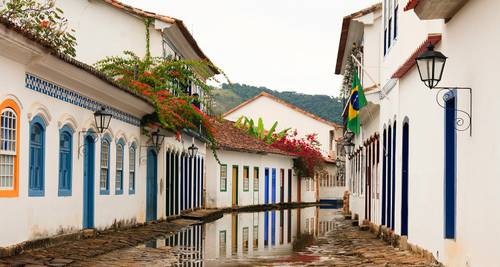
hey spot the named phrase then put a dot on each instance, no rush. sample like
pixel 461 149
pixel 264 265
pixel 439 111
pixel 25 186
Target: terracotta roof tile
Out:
pixel 171 20
pixel 228 137
pixel 284 103
pixel 411 5
pixel 51 50
pixel 410 62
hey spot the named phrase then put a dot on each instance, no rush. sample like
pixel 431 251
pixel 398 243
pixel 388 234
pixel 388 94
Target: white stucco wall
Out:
pixel 102 30
pixel 271 111
pixel 221 199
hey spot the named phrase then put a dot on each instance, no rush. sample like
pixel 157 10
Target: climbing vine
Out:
pixel 349 69
pixel 166 82
pixel 43 20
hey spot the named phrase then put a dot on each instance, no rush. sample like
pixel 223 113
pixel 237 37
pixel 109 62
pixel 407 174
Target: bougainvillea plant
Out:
pixel 307 150
pixel 43 20
pixel 164 82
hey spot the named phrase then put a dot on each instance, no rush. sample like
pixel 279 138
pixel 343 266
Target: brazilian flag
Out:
pixel 356 102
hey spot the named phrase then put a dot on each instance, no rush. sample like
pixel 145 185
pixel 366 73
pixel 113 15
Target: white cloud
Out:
pixel 280 44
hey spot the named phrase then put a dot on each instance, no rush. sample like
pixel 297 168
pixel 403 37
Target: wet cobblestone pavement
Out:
pixel 343 245
pixel 110 245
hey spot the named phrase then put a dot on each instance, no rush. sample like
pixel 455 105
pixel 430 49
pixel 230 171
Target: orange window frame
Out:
pixel 9 103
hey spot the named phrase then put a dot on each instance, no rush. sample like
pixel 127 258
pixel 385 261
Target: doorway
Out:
pixel 88 182
pixel 151 186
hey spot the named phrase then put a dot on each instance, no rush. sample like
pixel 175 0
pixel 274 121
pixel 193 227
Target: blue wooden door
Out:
pixel 450 166
pixel 273 188
pixel 88 182
pixel 151 186
pixel 404 180
pixel 266 186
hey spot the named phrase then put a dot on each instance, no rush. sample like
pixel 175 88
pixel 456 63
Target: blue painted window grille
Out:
pixel 65 160
pixel 119 167
pixel 131 169
pixel 37 158
pixel 104 173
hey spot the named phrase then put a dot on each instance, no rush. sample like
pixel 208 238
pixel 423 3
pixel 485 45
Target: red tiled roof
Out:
pixel 228 137
pixel 166 19
pixel 284 103
pixel 52 51
pixel 345 32
pixel 410 62
pixel 411 4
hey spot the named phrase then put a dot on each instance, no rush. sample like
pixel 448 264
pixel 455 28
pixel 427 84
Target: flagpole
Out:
pixel 373 81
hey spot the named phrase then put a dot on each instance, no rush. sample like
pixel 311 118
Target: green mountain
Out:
pixel 231 95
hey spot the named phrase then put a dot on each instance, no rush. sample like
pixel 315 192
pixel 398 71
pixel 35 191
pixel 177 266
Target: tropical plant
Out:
pixel 258 130
pixel 307 150
pixel 164 81
pixel 43 20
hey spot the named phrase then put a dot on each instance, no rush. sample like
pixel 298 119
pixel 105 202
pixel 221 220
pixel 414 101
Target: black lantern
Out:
pixel 102 119
pixel 349 147
pixel 157 139
pixel 430 66
pixel 193 150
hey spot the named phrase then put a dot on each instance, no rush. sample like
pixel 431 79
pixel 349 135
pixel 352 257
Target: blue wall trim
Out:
pixel 45 87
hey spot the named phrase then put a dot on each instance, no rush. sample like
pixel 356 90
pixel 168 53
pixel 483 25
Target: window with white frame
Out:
pixel 223 177
pixel 7 148
pixel 131 169
pixel 104 176
pixel 119 169
pixel 390 23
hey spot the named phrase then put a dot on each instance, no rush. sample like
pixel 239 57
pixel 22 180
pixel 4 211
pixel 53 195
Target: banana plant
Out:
pixel 259 131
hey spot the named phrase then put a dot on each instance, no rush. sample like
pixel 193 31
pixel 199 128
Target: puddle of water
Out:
pixel 279 237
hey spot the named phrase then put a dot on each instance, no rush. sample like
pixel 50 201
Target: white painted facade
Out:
pixel 270 110
pixel 468 39
pixel 219 196
pixel 32 217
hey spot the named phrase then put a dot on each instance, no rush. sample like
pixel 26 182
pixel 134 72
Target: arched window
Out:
pixel 131 169
pixel 65 160
pixel 119 167
pixel 104 175
pixel 37 158
pixel 8 151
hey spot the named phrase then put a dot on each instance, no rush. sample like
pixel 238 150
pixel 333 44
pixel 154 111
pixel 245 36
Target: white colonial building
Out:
pixel 59 174
pixel 432 142
pixel 272 109
pixel 245 171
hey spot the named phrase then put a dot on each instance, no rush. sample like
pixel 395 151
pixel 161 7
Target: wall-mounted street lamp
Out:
pixel 193 150
pixel 157 139
pixel 102 120
pixel 430 65
pixel 349 147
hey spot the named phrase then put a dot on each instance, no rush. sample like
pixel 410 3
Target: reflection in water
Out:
pixel 209 245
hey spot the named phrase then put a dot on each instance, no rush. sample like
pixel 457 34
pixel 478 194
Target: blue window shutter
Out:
pixel 396 22
pixel 36 163
pixel 65 160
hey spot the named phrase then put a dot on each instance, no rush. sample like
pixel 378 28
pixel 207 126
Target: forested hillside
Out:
pixel 321 105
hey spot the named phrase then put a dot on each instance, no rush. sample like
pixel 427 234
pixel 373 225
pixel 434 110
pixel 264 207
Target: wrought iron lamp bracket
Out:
pixel 464 118
pixel 94 135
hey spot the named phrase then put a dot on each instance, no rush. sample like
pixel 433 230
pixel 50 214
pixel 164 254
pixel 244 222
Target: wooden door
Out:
pixel 235 185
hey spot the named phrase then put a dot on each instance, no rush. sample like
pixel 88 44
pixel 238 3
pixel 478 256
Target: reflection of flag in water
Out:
pixel 356 102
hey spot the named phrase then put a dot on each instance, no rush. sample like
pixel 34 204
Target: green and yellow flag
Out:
pixel 357 101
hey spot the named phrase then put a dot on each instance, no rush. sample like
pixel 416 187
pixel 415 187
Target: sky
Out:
pixel 285 45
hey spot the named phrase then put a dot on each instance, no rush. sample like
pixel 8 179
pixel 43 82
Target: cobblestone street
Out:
pixel 345 245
